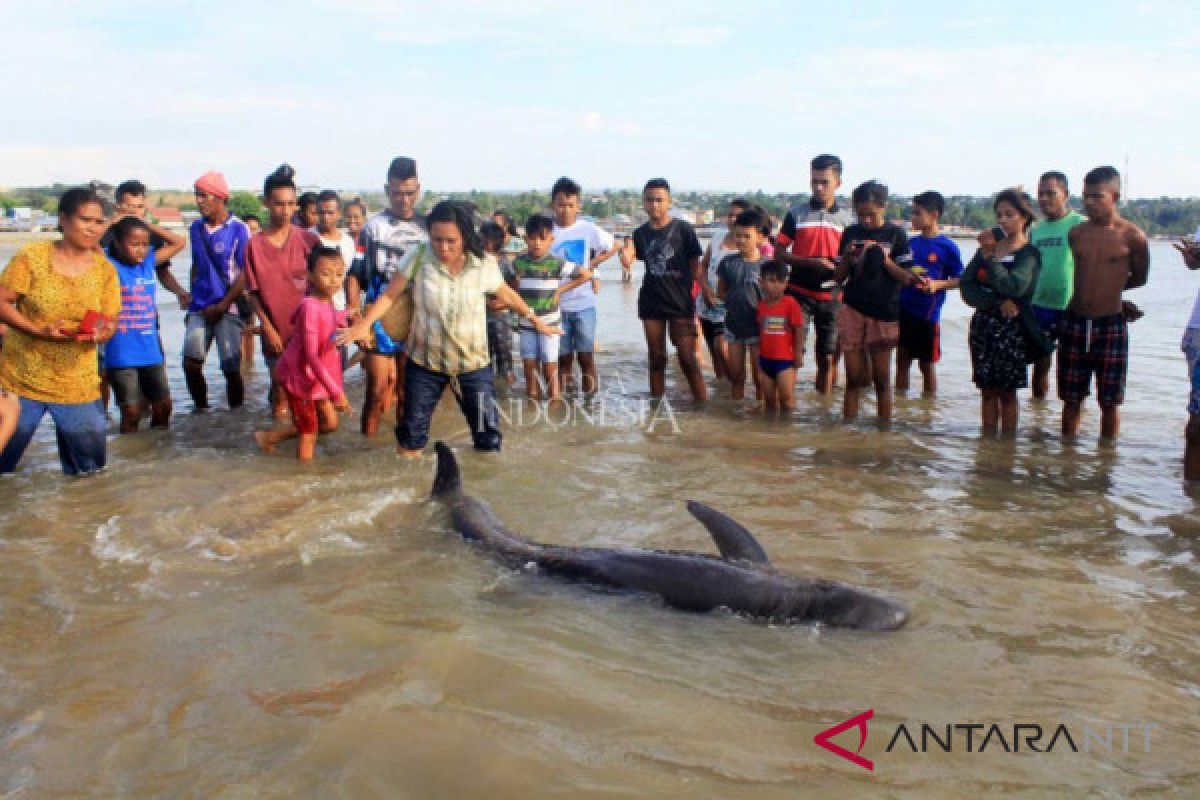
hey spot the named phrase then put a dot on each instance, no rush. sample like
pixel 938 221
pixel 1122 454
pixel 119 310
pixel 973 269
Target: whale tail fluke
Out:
pixel 448 478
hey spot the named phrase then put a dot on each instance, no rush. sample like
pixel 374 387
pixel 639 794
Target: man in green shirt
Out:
pixel 1056 280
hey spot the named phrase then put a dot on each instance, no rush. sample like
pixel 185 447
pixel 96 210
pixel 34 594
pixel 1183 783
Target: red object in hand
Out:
pixel 87 326
pixel 981 273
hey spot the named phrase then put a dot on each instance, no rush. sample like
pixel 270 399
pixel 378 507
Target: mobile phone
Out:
pixel 998 234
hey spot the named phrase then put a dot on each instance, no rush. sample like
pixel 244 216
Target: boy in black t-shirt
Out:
pixel 874 261
pixel 666 302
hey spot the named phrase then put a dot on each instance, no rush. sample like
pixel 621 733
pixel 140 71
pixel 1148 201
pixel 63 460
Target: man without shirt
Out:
pixel 1111 255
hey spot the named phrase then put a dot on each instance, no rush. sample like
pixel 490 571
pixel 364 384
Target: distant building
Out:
pixel 167 216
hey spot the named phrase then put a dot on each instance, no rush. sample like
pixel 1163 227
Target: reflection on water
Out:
pixel 204 620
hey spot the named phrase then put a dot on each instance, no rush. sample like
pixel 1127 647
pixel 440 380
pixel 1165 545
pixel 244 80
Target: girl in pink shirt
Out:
pixel 310 369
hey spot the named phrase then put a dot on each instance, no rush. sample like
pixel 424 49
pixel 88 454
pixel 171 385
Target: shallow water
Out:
pixel 202 620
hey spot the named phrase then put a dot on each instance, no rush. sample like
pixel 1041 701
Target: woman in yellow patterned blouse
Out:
pixel 46 292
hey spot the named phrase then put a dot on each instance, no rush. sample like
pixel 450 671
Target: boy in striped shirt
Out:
pixel 542 279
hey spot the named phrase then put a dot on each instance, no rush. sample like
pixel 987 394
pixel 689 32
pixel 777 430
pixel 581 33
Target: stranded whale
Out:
pixel 741 579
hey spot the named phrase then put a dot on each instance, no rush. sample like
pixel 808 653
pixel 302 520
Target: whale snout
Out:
pixel 892 618
pixel 866 612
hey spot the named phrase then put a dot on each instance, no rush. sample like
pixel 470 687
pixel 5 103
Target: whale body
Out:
pixel 741 579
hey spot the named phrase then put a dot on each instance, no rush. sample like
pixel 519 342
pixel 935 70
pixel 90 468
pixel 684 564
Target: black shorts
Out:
pixel 655 313
pixel 823 316
pixel 711 330
pixel 921 338
pixel 657 305
pixel 131 385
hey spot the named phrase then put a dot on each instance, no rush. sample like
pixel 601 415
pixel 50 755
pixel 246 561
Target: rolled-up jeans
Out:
pixel 199 335
pixel 79 427
pixel 476 395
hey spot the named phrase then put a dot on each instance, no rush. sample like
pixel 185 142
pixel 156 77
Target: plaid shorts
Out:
pixel 1088 345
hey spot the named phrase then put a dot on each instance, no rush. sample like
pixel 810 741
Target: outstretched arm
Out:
pixel 518 304
pixel 582 276
pixel 361 330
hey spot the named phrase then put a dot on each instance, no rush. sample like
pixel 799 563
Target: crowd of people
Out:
pixel 427 301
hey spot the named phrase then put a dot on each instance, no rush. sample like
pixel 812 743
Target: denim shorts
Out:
pixel 579 331
pixel 1191 351
pixel 539 347
pixel 199 335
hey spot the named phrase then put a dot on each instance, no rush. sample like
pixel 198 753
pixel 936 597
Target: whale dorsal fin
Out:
pixel 735 542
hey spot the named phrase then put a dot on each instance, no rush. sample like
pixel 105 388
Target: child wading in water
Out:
pixel 780 339
pixel 310 369
pixel 134 356
pixel 738 288
pixel 542 279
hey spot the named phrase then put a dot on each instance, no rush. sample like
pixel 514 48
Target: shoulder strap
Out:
pixel 206 237
pixel 420 257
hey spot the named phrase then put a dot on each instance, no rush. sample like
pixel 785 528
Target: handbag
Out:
pixel 397 322
pixel 1037 344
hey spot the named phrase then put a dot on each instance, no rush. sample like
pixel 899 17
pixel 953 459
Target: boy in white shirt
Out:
pixel 579 241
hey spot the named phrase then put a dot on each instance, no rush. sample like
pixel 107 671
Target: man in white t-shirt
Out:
pixel 1189 248
pixel 579 241
pixel 329 213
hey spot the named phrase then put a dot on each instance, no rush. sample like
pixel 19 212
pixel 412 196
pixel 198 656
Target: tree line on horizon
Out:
pixel 1155 215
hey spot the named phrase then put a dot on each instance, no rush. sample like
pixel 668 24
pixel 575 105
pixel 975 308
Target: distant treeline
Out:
pixel 1161 215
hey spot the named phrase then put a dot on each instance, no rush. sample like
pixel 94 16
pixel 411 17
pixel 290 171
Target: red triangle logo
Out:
pixel 859 721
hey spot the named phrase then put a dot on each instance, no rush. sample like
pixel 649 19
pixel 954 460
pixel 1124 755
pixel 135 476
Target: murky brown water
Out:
pixel 202 620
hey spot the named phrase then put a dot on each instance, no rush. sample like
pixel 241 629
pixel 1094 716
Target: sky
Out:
pixel 965 97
